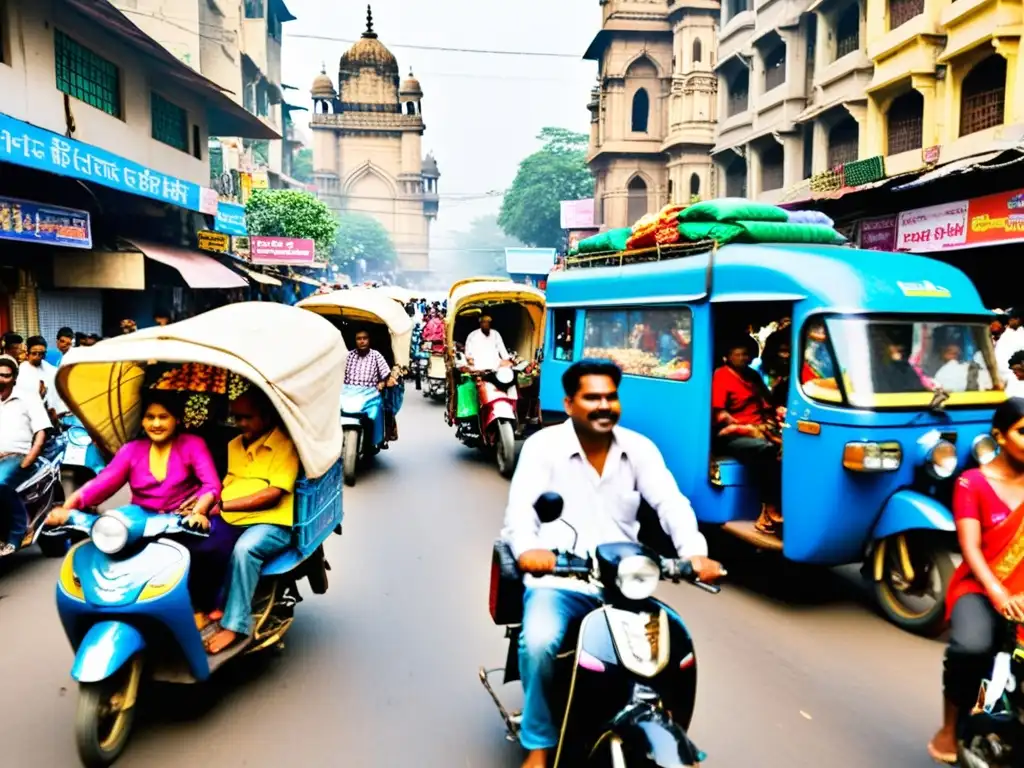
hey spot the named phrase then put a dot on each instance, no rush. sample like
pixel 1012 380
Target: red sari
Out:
pixel 1002 537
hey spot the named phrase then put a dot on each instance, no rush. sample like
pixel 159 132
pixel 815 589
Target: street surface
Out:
pixel 382 670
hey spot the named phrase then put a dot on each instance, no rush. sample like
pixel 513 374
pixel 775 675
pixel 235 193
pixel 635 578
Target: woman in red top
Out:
pixel 988 587
pixel 746 428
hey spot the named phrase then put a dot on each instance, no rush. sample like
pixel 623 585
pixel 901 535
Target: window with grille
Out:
pixel 170 122
pixel 848 31
pixel 775 67
pixel 254 9
pixel 983 96
pixel 772 167
pixel 905 120
pixel 902 11
pixel 842 142
pixel 739 91
pixel 87 76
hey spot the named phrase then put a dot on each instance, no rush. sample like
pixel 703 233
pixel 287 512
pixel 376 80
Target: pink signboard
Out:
pixel 934 228
pixel 292 251
pixel 878 234
pixel 578 214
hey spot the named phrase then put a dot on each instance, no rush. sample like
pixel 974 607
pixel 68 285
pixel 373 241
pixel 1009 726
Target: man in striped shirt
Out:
pixel 366 367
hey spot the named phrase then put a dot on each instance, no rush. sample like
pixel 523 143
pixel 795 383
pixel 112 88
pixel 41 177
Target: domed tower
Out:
pixel 323 93
pixel 368 75
pixel 410 94
pixel 430 176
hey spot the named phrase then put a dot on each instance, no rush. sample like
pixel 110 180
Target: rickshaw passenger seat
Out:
pixel 730 472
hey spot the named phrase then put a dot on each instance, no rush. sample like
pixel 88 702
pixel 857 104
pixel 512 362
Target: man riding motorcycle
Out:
pixel 602 472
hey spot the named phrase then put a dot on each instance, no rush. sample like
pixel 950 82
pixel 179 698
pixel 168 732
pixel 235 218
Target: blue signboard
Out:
pixel 46 224
pixel 231 219
pixel 27 145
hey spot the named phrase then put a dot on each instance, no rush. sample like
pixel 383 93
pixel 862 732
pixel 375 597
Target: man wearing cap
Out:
pixel 485 349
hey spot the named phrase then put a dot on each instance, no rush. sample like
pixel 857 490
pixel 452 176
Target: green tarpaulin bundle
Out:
pixel 759 232
pixel 612 240
pixel 733 209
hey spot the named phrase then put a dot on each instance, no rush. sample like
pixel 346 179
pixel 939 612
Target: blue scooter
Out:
pixel 82 460
pixel 362 424
pixel 124 603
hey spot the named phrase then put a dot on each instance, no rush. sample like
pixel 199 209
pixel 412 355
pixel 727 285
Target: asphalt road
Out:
pixel 795 669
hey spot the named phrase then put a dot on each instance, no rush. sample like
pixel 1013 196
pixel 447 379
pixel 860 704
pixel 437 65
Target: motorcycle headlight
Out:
pixel 504 375
pixel 109 534
pixel 638 577
pixel 941 460
pixel 984 449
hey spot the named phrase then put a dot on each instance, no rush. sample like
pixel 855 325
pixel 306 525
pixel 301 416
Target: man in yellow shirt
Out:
pixel 259 496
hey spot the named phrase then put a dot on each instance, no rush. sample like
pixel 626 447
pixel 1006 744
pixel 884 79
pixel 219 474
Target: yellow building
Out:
pixel 367 147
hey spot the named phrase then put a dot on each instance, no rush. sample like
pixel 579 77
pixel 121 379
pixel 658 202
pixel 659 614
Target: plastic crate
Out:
pixel 318 508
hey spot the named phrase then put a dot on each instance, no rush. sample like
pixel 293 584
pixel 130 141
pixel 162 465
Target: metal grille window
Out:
pixel 772 167
pixel 983 99
pixel 905 122
pixel 902 11
pixel 842 142
pixel 86 75
pixel 848 31
pixel 170 122
pixel 775 67
pixel 739 90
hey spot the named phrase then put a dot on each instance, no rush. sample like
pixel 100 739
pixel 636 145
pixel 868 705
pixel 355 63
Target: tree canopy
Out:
pixel 531 210
pixel 363 237
pixel 302 166
pixel 290 213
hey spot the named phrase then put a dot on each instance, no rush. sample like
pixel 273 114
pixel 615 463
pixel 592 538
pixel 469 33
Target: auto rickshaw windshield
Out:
pixel 899 362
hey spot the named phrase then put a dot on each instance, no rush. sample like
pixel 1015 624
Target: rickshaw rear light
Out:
pixel 872 457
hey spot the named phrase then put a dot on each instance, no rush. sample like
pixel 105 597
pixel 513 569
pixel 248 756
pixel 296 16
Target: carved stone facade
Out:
pixel 367 155
pixel 654 107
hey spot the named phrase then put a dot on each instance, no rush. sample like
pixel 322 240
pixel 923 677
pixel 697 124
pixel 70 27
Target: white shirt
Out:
pixel 1010 342
pixel 1014 387
pixel 953 374
pixel 487 351
pixel 29 377
pixel 22 415
pixel 602 508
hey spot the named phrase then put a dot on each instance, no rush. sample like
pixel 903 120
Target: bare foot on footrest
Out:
pixel 221 641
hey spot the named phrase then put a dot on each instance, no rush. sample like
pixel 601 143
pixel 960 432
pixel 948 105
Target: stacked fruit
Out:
pixel 194 377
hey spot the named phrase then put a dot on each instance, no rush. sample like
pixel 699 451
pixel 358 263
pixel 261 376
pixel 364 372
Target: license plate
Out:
pixel 75 454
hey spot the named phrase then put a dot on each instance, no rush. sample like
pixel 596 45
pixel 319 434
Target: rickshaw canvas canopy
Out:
pixel 296 359
pixel 368 306
pixel 467 280
pixel 481 294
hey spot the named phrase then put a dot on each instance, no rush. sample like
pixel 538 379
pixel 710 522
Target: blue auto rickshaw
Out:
pixel 868 464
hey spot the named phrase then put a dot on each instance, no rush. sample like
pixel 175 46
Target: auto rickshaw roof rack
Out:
pixel 640 255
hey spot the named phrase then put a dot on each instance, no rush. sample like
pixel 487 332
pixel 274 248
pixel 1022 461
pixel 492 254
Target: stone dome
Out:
pixel 323 88
pixel 369 52
pixel 410 86
pixel 430 166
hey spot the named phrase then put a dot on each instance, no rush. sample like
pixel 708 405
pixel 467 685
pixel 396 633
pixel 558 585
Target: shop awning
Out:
pixel 259 277
pixel 949 169
pixel 302 279
pixel 195 268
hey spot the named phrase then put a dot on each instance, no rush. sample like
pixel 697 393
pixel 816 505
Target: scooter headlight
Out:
pixel 78 436
pixel 941 460
pixel 504 375
pixel 109 534
pixel 984 449
pixel 638 577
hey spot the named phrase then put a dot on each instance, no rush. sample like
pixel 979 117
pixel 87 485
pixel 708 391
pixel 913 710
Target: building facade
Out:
pixel 654 107
pixel 809 87
pixel 367 147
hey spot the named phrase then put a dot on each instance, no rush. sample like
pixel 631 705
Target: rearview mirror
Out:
pixel 548 507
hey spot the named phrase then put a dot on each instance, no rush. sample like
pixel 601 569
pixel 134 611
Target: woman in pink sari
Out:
pixel 434 332
pixel 172 473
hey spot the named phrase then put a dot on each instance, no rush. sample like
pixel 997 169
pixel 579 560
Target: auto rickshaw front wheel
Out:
pixel 105 714
pixel 911 575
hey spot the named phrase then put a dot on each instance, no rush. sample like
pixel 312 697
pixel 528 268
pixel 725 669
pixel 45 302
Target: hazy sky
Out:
pixel 482 111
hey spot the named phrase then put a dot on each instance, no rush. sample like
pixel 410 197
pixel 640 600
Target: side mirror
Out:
pixel 548 507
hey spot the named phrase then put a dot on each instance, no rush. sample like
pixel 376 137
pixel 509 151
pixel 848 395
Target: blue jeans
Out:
pixel 548 614
pixel 256 545
pixel 11 476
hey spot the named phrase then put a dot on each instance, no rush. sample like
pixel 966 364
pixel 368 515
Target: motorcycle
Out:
pixel 625 685
pixel 362 424
pixel 992 733
pixel 436 373
pixel 39 494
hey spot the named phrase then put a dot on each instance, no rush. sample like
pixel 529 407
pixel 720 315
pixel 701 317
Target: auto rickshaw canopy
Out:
pixel 367 306
pixel 479 297
pixel 467 280
pixel 295 358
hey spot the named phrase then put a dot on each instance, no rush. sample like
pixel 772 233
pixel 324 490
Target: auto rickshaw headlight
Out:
pixel 941 460
pixel 872 457
pixel 984 449
pixel 109 534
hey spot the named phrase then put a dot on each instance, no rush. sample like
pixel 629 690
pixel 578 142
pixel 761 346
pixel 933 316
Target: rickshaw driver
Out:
pixel 485 349
pixel 603 473
pixel 368 368
pixel 746 427
pixel 258 496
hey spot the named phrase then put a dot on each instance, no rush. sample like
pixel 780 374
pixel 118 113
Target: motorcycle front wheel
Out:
pixel 505 449
pixel 105 714
pixel 350 456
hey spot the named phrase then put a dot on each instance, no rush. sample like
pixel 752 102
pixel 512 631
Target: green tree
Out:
pixel 480 250
pixel 531 209
pixel 302 166
pixel 291 213
pixel 363 237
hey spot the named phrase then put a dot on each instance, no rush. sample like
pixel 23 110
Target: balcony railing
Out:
pixel 902 11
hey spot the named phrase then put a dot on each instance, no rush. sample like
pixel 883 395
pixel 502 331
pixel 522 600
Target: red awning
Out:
pixel 197 269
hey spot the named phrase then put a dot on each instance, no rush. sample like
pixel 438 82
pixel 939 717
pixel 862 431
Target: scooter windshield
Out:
pixel 355 399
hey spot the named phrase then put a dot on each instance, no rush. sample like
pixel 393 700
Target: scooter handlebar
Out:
pixel 572 565
pixel 681 569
